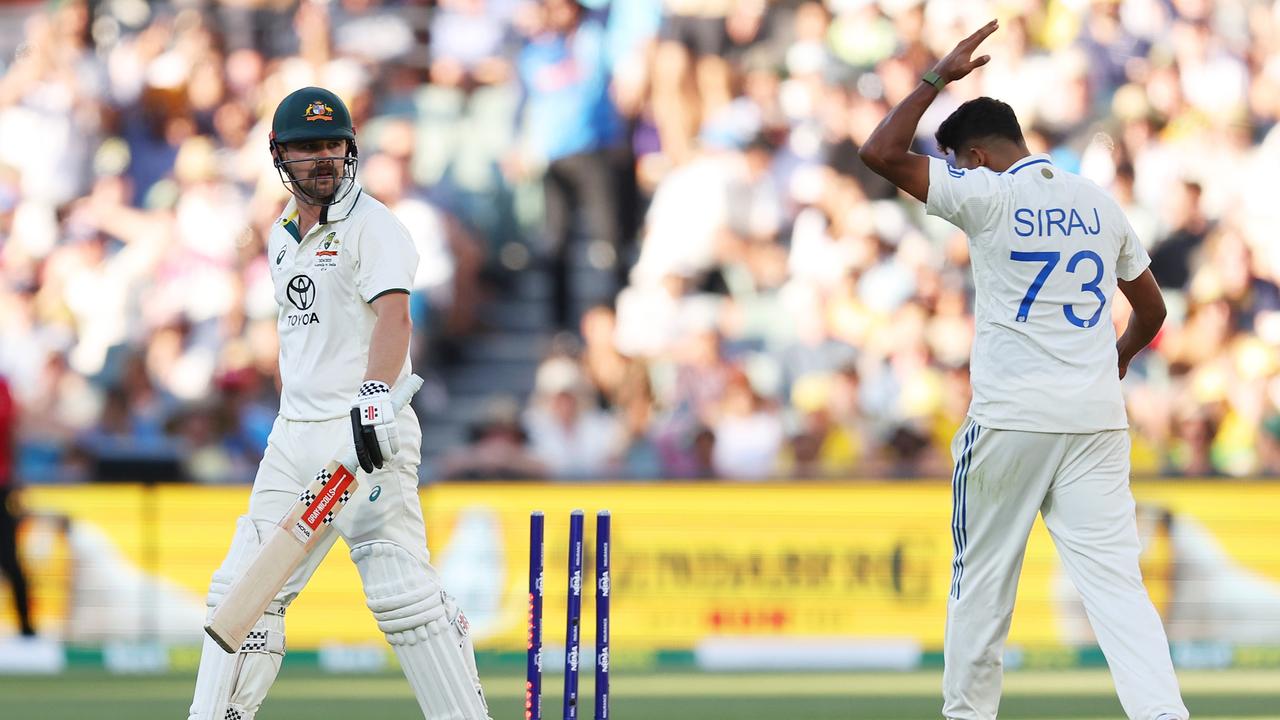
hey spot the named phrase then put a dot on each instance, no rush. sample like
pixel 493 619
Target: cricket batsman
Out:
pixel 1047 431
pixel 341 265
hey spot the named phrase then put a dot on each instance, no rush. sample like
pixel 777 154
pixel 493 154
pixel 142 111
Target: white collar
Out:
pixel 342 209
pixel 336 212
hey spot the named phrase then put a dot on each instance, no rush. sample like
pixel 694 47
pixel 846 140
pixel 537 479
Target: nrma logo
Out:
pixel 575 583
pixel 573 659
pixel 603 584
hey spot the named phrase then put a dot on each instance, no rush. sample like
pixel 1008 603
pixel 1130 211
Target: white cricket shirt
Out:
pixel 1046 248
pixel 324 284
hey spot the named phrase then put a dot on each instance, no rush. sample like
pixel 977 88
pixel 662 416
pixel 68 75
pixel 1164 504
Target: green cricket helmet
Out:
pixel 313 113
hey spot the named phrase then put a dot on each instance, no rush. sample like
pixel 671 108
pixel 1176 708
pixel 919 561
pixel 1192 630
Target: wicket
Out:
pixel 573 637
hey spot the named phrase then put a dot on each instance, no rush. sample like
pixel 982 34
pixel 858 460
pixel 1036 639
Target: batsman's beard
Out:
pixel 321 186
pixel 327 180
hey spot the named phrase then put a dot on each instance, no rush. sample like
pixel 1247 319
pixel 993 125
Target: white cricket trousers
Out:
pixel 384 507
pixel 1079 483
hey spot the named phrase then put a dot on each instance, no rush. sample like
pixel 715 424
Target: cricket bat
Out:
pixel 297 532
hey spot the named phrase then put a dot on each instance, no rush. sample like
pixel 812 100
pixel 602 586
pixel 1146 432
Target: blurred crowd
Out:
pixel 777 310
pixel 136 196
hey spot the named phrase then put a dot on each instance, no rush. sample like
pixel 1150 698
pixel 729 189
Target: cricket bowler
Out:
pixel 342 266
pixel 1046 431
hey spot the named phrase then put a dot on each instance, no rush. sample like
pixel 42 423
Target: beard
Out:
pixel 320 185
pixel 320 181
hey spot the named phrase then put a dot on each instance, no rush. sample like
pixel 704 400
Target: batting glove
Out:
pixel 373 425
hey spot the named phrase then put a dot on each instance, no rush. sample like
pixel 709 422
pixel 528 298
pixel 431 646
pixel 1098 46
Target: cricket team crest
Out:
pixel 319 111
pixel 327 255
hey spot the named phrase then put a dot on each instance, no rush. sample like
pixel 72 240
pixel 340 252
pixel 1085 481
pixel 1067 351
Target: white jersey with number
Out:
pixel 1046 247
pixel 324 284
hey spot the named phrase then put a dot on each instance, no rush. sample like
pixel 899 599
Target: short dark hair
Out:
pixel 978 118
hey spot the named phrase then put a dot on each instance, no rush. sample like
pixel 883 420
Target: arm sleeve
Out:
pixel 964 198
pixel 386 259
pixel 1133 258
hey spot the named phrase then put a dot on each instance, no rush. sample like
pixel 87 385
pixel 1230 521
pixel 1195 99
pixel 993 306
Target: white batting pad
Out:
pixel 425 628
pixel 233 686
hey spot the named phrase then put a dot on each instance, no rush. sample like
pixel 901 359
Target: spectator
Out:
pixel 1171 257
pixel 1114 53
pixel 821 447
pixel 567 434
pixel 496 450
pixel 640 455
pixel 208 442
pixel 606 368
pixel 692 76
pixel 703 454
pixel 9 564
pixel 572 131
pixel 444 295
pixel 748 433
pixel 463 118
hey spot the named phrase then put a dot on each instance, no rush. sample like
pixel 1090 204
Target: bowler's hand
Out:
pixel 960 61
pixel 1123 357
pixel 373 425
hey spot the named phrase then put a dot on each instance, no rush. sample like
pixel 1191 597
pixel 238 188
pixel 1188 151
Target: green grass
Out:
pixel 1040 695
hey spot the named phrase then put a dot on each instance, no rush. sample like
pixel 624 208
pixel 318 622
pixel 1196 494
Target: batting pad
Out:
pixel 425 628
pixel 233 686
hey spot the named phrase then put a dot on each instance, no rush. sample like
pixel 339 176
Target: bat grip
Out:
pixel 401 394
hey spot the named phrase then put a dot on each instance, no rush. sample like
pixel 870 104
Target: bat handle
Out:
pixel 401 394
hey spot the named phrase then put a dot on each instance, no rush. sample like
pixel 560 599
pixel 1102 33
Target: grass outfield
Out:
pixel 1064 695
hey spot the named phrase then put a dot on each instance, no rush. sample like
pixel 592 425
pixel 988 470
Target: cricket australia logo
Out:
pixel 327 256
pixel 318 111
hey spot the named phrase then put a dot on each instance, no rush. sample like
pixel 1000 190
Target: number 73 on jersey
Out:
pixel 1050 261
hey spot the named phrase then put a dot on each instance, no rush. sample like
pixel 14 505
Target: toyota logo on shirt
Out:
pixel 301 291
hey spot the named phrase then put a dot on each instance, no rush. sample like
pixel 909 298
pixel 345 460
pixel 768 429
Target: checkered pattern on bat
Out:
pixel 306 496
pixel 342 500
